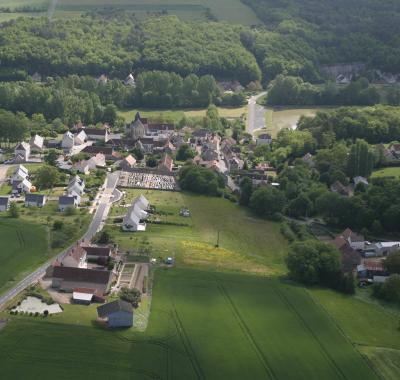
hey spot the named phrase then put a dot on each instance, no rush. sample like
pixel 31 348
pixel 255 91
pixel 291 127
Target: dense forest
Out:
pixel 336 31
pixel 116 47
pixel 292 43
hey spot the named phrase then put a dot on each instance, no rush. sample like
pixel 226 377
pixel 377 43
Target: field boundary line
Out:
pixel 188 347
pixel 309 329
pixel 246 331
pixel 355 345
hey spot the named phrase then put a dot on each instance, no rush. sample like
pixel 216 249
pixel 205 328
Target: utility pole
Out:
pixel 217 245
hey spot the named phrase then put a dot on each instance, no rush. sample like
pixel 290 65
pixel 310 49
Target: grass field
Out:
pixel 387 172
pixel 204 325
pixel 277 119
pixel 23 246
pixel 174 116
pixel 245 243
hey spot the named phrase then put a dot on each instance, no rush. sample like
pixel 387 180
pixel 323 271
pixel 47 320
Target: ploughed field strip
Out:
pixel 203 325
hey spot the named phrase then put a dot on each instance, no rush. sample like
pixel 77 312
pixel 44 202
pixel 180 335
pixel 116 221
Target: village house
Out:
pixel 355 240
pixel 338 187
pixel 129 81
pixel 137 212
pixel 67 279
pixel 22 150
pixel 166 164
pixel 201 135
pixel 350 258
pixel 75 258
pixel 97 254
pixel 108 152
pixel 24 186
pixel 82 167
pixel 97 134
pixel 66 201
pixel 308 159
pixel 80 137
pixel 36 143
pixel 127 163
pixel 361 180
pixel 35 200
pixel 20 173
pixel 117 313
pixel 4 204
pixel 102 79
pixel 370 268
pixel 209 154
pixel 68 141
pixel 76 185
pixel 235 164
pixel 263 139
pixel 381 249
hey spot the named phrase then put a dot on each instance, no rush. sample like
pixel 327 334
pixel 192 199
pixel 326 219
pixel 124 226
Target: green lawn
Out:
pixel 386 172
pixel 204 325
pixel 23 246
pixel 245 242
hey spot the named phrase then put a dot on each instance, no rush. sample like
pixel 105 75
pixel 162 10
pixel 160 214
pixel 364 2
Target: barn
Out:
pixel 117 313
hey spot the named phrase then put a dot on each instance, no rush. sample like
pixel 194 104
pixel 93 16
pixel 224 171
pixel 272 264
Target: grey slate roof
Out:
pixel 4 201
pixel 112 307
pixel 66 200
pixel 38 198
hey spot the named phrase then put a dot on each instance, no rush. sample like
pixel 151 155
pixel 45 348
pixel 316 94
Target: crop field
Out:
pixel 226 10
pixel 204 325
pixel 23 246
pixel 245 242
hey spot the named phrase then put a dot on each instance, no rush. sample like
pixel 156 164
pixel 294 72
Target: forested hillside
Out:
pixel 94 45
pixel 338 30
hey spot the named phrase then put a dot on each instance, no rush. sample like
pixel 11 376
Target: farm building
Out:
pixel 117 314
pixel 97 253
pixel 68 278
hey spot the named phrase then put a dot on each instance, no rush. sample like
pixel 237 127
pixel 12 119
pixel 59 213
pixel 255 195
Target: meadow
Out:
pixel 23 247
pixel 174 116
pixel 386 172
pixel 277 119
pixel 246 243
pixel 203 325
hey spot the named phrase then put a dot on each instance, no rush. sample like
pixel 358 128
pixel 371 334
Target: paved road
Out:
pixel 100 214
pixel 256 114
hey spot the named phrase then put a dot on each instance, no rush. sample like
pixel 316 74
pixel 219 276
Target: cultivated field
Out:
pixel 204 325
pixel 226 10
pixel 23 246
